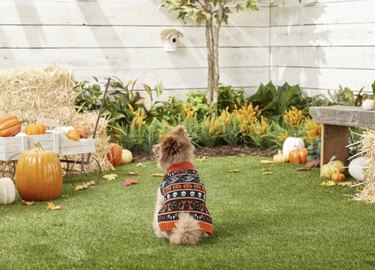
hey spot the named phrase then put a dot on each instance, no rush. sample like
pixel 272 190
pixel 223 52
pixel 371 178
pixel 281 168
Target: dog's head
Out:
pixel 174 147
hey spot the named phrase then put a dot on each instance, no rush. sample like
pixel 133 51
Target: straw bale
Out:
pixel 368 147
pixel 49 93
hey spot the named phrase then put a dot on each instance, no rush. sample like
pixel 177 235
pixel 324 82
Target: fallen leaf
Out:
pixel 327 184
pixel 84 185
pixel 52 206
pixel 27 203
pixel 241 155
pixel 110 176
pixel 201 159
pixel 345 184
pixel 140 164
pixel 266 161
pixel 312 163
pixel 157 175
pixel 267 173
pixel 129 182
pixel 233 171
pixel 134 173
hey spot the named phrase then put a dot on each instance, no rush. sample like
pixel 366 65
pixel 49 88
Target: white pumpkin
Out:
pixel 127 156
pixel 368 104
pixel 292 143
pixel 7 191
pixel 355 168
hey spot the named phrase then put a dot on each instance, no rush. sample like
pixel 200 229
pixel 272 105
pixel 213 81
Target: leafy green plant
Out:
pixel 231 132
pixel 198 103
pixel 169 111
pixel 273 101
pixel 230 98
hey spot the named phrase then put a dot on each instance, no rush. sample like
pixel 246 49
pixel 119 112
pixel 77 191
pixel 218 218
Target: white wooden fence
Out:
pixel 318 46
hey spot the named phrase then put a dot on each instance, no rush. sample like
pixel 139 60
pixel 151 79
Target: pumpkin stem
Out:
pixel 332 159
pixel 38 146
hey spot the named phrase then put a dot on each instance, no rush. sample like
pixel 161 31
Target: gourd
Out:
pixel 332 167
pixel 73 135
pixel 38 175
pixel 34 129
pixel 298 156
pixel 126 156
pixel 84 131
pixel 280 158
pixel 338 176
pixel 10 125
pixel 115 154
pixel 7 191
pixel 355 168
pixel 292 143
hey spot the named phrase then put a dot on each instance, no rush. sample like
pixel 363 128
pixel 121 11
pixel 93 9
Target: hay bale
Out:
pixel 49 93
pixel 368 147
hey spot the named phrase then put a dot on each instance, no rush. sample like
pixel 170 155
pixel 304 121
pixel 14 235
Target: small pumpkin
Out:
pixel 126 156
pixel 10 125
pixel 292 143
pixel 331 167
pixel 7 191
pixel 298 156
pixel 83 130
pixel 338 176
pixel 38 175
pixel 115 154
pixel 280 158
pixel 35 128
pixel 73 135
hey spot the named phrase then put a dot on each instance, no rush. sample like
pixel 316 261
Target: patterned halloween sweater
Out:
pixel 183 191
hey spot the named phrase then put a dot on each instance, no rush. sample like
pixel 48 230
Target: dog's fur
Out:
pixel 175 147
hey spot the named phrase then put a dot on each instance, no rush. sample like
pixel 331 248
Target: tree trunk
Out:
pixel 210 62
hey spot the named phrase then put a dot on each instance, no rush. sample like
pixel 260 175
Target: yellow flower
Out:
pixel 282 137
pixel 313 129
pixel 187 112
pixel 293 117
pixel 139 117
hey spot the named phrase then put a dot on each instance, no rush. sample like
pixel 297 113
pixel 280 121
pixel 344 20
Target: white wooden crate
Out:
pixel 11 147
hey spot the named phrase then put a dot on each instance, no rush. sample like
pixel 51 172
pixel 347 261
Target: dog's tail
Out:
pixel 187 231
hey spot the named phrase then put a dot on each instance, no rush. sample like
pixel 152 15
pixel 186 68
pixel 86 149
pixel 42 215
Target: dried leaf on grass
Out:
pixel 110 177
pixel 327 183
pixel 266 161
pixel 312 163
pixel 233 171
pixel 201 159
pixel 84 185
pixel 140 164
pixel 241 155
pixel 157 175
pixel 346 184
pixel 27 203
pixel 52 206
pixel 129 182
pixel 267 173
pixel 134 173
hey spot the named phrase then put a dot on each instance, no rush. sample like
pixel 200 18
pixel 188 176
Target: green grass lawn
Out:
pixel 280 221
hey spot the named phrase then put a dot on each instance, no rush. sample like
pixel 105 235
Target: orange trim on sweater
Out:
pixel 180 166
pixel 171 225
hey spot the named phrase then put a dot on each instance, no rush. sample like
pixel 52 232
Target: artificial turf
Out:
pixel 283 220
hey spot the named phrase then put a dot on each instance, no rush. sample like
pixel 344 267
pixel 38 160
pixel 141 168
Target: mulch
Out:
pixel 224 150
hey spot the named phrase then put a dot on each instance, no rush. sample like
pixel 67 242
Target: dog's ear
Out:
pixel 180 130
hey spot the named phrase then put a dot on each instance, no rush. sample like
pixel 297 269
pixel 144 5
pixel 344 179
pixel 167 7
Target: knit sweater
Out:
pixel 183 191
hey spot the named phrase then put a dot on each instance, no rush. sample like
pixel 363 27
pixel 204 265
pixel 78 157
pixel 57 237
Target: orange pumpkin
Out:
pixel 38 175
pixel 338 176
pixel 84 131
pixel 34 129
pixel 115 154
pixel 10 125
pixel 298 156
pixel 73 135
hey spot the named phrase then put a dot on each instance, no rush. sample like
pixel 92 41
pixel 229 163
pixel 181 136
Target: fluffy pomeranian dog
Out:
pixel 180 212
